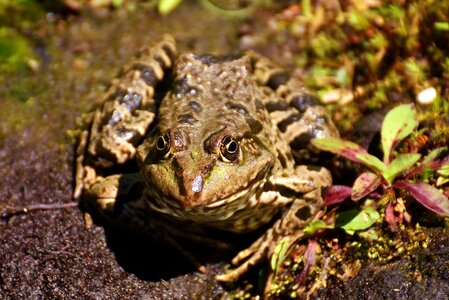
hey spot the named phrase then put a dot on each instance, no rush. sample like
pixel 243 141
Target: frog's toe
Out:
pixel 253 254
pixel 104 192
pixel 243 268
pixel 251 250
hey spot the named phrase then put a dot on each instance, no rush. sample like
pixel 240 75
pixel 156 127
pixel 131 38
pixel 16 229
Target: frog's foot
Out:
pixel 111 196
pixel 253 254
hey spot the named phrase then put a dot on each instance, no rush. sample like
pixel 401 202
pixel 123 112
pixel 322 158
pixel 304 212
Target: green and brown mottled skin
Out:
pixel 215 139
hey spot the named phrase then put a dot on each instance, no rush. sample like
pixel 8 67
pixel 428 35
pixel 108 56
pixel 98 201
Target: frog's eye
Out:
pixel 229 149
pixel 163 145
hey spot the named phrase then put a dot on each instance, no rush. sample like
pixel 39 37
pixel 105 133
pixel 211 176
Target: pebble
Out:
pixel 426 96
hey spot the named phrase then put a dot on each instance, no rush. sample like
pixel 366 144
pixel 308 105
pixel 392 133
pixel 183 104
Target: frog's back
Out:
pixel 213 93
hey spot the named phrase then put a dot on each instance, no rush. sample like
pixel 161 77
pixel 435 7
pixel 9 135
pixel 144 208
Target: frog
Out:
pixel 182 143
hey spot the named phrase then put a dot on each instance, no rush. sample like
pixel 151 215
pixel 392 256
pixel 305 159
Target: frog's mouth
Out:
pixel 222 209
pixel 208 205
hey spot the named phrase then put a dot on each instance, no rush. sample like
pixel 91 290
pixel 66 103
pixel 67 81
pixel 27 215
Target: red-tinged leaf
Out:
pixel 391 218
pixel 364 184
pixel 341 147
pixel 309 260
pixel 337 194
pixel 398 124
pixel 427 195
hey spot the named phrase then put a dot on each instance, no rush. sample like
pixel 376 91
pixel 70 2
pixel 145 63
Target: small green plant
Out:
pixel 167 6
pixel 398 124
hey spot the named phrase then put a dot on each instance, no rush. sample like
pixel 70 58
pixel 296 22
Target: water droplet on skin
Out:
pixel 197 185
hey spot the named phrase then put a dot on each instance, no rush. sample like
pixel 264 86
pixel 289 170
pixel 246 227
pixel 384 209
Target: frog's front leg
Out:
pixel 118 198
pixel 301 191
pixel 110 135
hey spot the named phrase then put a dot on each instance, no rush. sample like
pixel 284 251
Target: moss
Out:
pixel 21 14
pixel 15 51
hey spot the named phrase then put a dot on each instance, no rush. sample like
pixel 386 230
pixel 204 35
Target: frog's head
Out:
pixel 209 145
pixel 185 171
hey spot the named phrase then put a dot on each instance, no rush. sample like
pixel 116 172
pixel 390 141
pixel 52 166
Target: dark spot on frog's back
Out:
pixel 187 119
pixel 253 124
pixel 279 105
pixel 195 106
pixel 290 120
pixel 209 59
pixel 302 141
pixel 240 108
pixel 302 102
pixel 181 87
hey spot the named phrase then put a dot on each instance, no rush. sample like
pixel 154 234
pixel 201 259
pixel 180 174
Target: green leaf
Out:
pixel 370 234
pixel 372 162
pixel 279 254
pixel 398 123
pixel 339 146
pixel 442 26
pixel 441 181
pixel 364 184
pixel 400 164
pixel 315 225
pixel 166 6
pixel 117 3
pixel 354 220
pixel 444 170
pixel 434 154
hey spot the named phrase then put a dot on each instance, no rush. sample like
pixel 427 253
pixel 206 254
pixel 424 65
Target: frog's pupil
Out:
pixel 232 146
pixel 161 143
